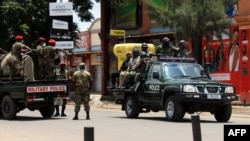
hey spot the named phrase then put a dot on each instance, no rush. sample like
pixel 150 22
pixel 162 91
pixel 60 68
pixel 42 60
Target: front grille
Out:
pixel 212 89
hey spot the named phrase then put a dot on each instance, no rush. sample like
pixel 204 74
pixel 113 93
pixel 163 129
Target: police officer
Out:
pixel 166 49
pixel 82 80
pixel 48 60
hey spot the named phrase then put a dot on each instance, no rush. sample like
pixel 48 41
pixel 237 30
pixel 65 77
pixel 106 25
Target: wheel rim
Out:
pixel 170 109
pixel 7 108
pixel 129 106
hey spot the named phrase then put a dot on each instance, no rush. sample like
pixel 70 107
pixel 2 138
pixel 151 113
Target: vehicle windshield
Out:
pixel 183 70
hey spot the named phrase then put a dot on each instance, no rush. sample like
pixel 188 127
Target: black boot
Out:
pixel 76 116
pixel 57 111
pixel 63 109
pixel 87 115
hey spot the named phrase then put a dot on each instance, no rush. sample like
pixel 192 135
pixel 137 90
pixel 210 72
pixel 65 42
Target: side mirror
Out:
pixel 156 75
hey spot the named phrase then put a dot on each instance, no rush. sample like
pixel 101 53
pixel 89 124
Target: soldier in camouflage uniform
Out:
pixel 140 69
pixel 182 49
pixel 166 49
pixel 82 80
pixel 48 60
pixel 61 74
pixel 40 45
pixel 18 62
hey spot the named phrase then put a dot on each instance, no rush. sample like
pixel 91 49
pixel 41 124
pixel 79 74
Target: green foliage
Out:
pixel 31 19
pixel 193 19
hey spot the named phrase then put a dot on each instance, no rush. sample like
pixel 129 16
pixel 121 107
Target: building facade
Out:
pixel 90 52
pixel 132 16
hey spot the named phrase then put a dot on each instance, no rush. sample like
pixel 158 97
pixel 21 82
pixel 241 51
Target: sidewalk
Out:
pixel 97 102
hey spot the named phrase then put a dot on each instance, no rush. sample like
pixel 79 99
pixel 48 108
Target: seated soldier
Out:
pixel 122 71
pixel 124 68
pixel 130 73
pixel 140 69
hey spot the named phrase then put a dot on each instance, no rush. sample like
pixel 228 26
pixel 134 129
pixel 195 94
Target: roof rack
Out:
pixel 176 59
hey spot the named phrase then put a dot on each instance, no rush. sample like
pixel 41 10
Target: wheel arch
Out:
pixel 125 97
pixel 168 91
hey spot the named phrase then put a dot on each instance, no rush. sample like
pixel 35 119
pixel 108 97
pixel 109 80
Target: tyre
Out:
pixel 47 112
pixel 8 108
pixel 132 108
pixel 173 110
pixel 223 114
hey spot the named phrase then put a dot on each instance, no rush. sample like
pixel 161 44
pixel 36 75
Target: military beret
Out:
pixel 41 39
pixel 52 41
pixel 19 37
pixel 62 63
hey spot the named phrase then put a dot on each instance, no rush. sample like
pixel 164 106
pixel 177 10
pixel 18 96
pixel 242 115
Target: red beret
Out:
pixel 62 63
pixel 19 37
pixel 41 39
pixel 52 41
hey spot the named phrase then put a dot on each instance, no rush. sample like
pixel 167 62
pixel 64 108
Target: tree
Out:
pixel 31 19
pixel 193 19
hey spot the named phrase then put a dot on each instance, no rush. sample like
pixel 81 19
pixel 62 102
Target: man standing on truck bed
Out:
pixel 40 45
pixel 21 65
pixel 166 49
pixel 82 80
pixel 48 64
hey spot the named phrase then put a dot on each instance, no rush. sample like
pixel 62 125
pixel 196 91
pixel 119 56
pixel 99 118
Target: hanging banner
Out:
pixel 61 24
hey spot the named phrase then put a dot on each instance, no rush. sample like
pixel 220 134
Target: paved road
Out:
pixel 109 125
pixel 238 111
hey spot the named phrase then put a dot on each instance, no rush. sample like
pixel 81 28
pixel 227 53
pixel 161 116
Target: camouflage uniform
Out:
pixel 15 60
pixel 82 80
pixel 182 49
pixel 141 67
pixel 48 62
pixel 40 60
pixel 61 74
pixel 182 53
pixel 165 51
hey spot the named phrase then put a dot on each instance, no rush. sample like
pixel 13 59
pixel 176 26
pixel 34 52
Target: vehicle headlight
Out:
pixel 229 89
pixel 189 88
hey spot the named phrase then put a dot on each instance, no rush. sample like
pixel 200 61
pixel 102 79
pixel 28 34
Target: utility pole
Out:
pixel 104 45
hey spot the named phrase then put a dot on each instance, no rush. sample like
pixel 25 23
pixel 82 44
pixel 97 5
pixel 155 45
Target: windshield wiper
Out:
pixel 199 77
pixel 179 76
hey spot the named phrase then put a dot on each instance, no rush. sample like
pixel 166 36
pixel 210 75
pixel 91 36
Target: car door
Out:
pixel 152 93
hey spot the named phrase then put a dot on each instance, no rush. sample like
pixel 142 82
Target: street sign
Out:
pixel 114 32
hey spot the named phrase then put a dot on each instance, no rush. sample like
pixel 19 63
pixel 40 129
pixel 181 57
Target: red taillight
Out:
pixel 30 98
pixel 61 95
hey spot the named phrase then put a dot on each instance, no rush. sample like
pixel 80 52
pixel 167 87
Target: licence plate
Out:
pixel 212 96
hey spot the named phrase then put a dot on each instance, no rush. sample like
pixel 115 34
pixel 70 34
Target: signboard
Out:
pixel 61 24
pixel 114 32
pixel 40 89
pixel 126 13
